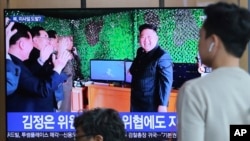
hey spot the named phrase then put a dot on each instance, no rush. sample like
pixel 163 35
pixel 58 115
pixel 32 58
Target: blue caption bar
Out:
pixel 61 122
pixel 27 18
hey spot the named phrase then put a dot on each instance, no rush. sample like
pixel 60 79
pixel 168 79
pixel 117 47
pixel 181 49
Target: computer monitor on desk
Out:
pixel 107 71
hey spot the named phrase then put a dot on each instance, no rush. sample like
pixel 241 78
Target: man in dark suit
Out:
pixel 152 74
pixel 39 58
pixel 33 94
pixel 53 39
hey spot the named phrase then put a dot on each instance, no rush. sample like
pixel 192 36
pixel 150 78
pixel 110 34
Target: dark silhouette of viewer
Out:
pixel 99 124
pixel 208 105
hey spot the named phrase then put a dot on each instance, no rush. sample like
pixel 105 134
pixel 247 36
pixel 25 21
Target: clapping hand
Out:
pixel 60 60
pixel 46 52
pixel 9 33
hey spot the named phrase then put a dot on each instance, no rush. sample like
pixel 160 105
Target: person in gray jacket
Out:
pixel 207 106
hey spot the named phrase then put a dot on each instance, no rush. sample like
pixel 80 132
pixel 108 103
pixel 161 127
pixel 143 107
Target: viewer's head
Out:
pixel 227 26
pixel 40 37
pixel 21 42
pixel 99 124
pixel 148 36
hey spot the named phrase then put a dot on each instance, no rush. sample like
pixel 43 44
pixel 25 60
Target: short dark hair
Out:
pixel 35 31
pixel 231 23
pixel 102 121
pixel 147 26
pixel 22 31
pixel 52 33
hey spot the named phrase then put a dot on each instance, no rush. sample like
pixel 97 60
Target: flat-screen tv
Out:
pixel 128 76
pixel 183 72
pixel 100 36
pixel 107 70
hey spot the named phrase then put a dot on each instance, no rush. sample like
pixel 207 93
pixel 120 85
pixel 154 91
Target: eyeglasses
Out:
pixel 76 138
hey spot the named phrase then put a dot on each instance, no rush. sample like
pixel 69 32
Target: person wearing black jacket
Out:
pixel 33 94
pixel 152 74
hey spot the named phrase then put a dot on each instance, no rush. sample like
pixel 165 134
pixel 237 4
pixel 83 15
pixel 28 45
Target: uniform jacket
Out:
pixel 34 94
pixel 152 78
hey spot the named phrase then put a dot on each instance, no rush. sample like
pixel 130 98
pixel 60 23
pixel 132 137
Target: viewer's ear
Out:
pixel 214 43
pixel 98 138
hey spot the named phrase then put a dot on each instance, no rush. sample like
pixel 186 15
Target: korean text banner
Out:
pixel 61 122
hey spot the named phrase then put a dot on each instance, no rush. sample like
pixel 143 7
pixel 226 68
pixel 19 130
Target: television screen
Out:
pixel 99 37
pixel 107 70
pixel 183 72
pixel 128 76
